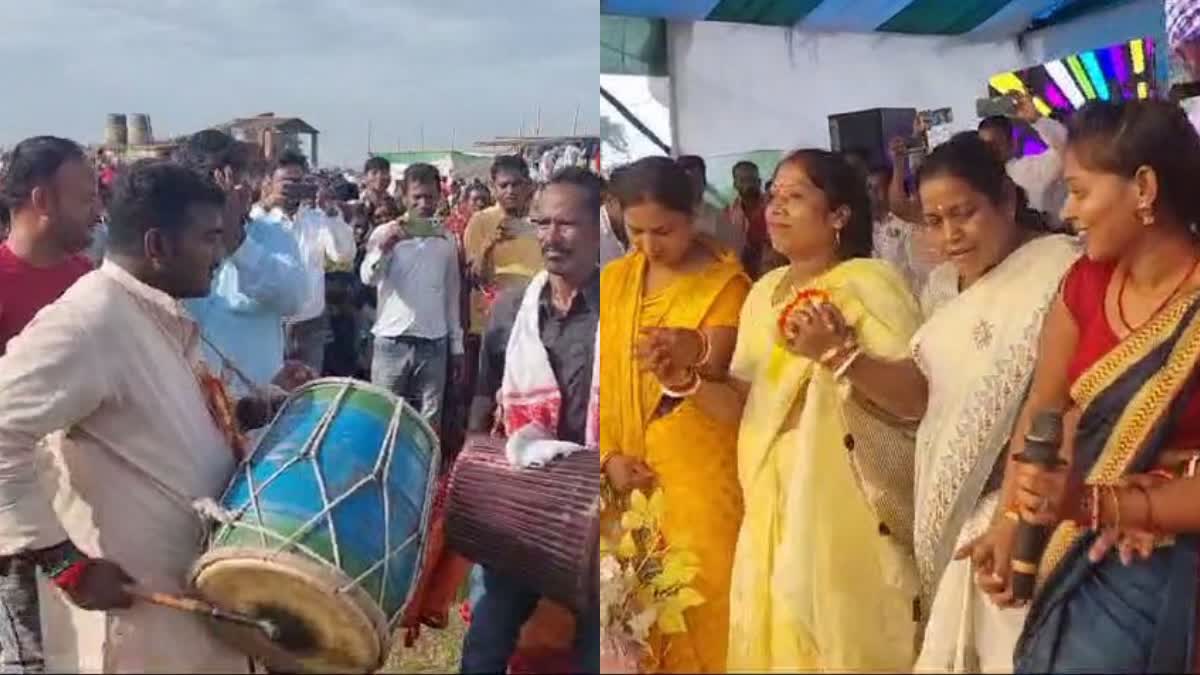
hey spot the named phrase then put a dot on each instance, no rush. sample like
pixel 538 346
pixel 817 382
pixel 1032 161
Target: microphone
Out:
pixel 1041 448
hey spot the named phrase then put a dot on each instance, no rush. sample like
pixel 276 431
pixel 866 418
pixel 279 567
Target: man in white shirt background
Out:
pixel 891 235
pixel 418 328
pixel 1040 175
pixel 322 235
pixel 708 218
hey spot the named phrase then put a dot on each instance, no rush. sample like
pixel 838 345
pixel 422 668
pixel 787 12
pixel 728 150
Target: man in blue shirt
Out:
pixel 259 283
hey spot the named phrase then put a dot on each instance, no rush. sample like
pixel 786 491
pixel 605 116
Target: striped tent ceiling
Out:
pixel 921 17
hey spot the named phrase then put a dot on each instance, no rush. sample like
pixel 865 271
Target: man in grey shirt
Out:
pixel 567 217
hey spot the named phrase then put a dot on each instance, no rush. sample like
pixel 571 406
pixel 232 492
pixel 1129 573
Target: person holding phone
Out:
pixel 1040 175
pixel 500 248
pixel 418 330
pixel 295 201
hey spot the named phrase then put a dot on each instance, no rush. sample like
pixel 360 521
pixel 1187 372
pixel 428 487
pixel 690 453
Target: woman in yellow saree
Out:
pixel 649 434
pixel 823 577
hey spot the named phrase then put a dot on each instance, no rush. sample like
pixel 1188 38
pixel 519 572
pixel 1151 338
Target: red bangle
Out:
pixel 69 578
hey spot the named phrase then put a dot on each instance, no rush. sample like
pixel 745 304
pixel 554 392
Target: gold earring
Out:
pixel 1147 216
pixel 837 237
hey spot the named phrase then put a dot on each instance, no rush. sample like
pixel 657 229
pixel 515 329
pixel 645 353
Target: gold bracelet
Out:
pixel 1112 491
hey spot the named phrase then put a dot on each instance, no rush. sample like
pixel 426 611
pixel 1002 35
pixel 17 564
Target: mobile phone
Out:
pixel 997 106
pixel 938 117
pixel 300 190
pixel 914 144
pixel 423 227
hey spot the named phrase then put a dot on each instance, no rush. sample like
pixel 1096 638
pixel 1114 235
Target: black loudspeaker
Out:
pixel 870 131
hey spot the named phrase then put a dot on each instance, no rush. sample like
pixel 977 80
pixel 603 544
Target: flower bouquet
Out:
pixel 644 583
pixel 813 295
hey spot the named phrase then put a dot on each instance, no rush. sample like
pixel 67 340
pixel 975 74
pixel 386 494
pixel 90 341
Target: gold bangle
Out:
pixel 1022 567
pixel 1116 499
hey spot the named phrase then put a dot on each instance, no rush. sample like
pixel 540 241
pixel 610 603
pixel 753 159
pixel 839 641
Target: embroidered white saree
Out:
pixel 977 349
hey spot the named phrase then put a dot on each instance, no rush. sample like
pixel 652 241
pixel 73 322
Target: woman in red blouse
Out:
pixel 1118 582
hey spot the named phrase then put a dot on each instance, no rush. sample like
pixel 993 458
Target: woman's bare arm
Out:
pixel 897 386
pixel 722 341
pixel 900 203
pixel 723 400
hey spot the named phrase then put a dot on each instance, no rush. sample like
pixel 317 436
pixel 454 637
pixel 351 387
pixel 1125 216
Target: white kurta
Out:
pixel 110 363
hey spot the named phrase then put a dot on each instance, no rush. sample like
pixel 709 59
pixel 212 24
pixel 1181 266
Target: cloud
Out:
pixel 459 70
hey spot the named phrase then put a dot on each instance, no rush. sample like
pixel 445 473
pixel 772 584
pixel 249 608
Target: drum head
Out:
pixel 325 630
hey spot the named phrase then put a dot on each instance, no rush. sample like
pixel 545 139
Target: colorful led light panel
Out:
pixel 1112 73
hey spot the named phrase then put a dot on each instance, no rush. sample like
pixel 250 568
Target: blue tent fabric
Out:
pixel 920 17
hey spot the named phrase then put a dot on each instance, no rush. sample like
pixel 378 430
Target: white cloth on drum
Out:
pixel 534 446
pixel 529 391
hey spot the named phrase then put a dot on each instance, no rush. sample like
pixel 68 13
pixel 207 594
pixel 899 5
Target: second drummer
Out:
pixel 566 214
pixel 115 363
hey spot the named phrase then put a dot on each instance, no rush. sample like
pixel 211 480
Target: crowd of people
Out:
pixel 838 433
pixel 154 318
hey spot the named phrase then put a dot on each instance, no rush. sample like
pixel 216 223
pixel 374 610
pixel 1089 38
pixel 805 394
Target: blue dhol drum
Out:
pixel 322 528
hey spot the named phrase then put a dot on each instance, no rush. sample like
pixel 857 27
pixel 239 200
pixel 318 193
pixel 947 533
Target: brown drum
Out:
pixel 540 525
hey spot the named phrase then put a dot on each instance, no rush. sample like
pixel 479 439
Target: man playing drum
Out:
pixel 557 330
pixel 115 363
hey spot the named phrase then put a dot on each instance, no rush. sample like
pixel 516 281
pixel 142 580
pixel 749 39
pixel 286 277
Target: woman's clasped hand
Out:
pixel 815 329
pixel 669 353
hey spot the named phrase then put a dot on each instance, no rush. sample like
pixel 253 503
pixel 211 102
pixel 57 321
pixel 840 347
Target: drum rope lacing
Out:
pixel 309 452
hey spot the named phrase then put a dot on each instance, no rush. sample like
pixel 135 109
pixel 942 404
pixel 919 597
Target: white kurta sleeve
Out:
pixel 52 378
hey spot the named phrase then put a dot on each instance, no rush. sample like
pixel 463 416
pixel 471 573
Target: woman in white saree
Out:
pixel 977 350
pixel 971 364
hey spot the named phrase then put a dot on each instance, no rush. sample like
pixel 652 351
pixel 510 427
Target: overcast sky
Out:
pixel 467 70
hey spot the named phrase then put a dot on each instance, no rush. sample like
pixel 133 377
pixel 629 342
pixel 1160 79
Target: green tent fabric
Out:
pixel 461 164
pixel 720 172
pixel 633 46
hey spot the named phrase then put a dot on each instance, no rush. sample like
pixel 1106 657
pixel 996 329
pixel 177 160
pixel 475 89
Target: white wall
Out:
pixel 740 87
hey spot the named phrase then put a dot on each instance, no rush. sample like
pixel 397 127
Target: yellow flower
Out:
pixel 627 548
pixel 643 513
pixel 670 617
pixel 679 568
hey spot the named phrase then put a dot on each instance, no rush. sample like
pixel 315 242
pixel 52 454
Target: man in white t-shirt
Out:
pixel 1041 176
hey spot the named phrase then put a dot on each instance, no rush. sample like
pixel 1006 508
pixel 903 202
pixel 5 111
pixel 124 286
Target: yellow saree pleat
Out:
pixel 692 455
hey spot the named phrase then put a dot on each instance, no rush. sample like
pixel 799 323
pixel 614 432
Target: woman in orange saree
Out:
pixel 650 434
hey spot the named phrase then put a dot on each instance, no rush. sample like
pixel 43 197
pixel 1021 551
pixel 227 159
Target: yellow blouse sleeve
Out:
pixel 750 348
pixel 726 309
